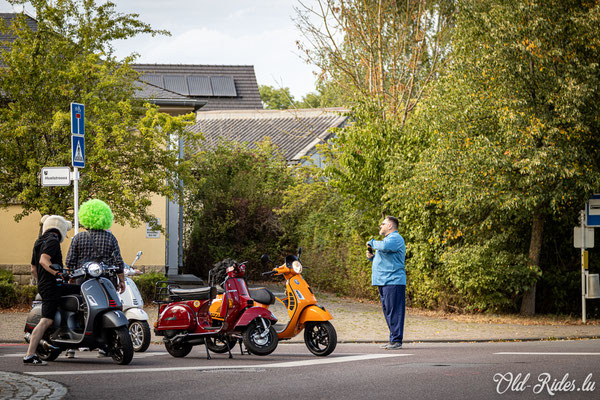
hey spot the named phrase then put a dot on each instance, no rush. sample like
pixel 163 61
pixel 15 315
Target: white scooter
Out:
pixel 133 304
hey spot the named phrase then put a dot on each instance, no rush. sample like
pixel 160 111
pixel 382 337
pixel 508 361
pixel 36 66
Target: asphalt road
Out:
pixel 509 370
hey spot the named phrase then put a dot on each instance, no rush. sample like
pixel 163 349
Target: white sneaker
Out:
pixel 71 353
pixel 102 353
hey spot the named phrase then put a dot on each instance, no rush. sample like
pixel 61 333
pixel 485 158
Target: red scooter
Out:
pixel 184 319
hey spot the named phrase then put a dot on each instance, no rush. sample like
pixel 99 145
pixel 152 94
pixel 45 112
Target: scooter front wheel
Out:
pixel 320 338
pixel 258 341
pixel 140 335
pixel 121 348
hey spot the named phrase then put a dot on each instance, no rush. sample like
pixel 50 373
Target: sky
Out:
pixel 231 32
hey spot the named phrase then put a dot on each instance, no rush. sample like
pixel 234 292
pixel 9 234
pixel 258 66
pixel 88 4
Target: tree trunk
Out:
pixel 535 251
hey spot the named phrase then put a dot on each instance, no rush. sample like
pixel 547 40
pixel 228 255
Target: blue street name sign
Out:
pixel 77 119
pixel 592 211
pixel 78 151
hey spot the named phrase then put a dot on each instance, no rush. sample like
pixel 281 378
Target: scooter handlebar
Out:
pixel 268 273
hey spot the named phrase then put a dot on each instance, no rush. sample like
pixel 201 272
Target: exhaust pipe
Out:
pixel 185 338
pixel 43 342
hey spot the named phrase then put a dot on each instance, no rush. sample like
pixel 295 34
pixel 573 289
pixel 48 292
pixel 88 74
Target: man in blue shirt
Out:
pixel 389 276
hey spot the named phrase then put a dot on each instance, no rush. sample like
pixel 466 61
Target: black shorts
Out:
pixel 51 298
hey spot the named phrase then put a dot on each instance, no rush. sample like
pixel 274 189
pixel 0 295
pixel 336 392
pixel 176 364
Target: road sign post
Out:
pixel 77 153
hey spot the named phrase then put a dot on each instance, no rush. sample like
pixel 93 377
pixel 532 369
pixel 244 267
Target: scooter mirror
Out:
pixel 139 253
pixel 264 259
pixel 299 251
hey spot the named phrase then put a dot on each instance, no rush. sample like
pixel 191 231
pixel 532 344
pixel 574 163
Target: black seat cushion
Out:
pixel 201 293
pixel 262 295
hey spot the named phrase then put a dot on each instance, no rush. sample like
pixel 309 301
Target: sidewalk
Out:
pixel 364 323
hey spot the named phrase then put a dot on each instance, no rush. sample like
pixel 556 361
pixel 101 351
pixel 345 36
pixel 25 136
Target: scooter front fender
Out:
pixel 255 312
pixel 136 314
pixel 114 319
pixel 314 313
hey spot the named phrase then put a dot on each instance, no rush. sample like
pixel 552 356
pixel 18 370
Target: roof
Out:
pixel 7 18
pixel 220 87
pixel 296 132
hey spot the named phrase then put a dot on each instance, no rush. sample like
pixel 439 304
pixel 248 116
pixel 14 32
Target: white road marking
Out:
pixel 527 353
pixel 290 364
pixel 94 354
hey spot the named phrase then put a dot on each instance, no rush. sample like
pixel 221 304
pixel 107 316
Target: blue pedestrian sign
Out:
pixel 77 119
pixel 78 151
pixel 592 211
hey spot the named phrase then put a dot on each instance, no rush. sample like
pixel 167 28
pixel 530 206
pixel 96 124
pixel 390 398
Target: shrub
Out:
pixel 6 276
pixel 26 293
pixel 8 294
pixel 146 284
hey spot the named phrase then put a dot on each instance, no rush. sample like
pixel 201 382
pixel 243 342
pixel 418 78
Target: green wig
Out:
pixel 95 214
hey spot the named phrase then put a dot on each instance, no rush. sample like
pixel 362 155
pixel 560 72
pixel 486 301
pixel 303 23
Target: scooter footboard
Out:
pixel 255 312
pixel 314 313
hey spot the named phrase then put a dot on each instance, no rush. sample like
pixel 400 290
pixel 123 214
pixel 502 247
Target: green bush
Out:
pixel 26 293
pixel 8 294
pixel 146 284
pixel 6 276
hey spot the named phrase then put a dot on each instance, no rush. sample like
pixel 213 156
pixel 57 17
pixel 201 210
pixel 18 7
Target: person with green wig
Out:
pixel 96 243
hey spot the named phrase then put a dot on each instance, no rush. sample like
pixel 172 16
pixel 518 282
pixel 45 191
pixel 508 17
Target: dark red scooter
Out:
pixel 184 319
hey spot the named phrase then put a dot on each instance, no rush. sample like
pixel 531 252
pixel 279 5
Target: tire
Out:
pixel 180 350
pixel 120 346
pixel 320 338
pixel 257 344
pixel 219 344
pixel 47 355
pixel 140 335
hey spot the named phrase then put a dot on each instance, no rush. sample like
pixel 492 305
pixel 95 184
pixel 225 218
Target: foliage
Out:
pixel 146 284
pixel 68 59
pixel 276 99
pixel 505 144
pixel 6 276
pixel 8 294
pixel 26 293
pixel 386 51
pixel 229 209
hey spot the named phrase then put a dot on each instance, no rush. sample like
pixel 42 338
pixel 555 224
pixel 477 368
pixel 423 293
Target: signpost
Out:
pixel 77 153
pixel 56 176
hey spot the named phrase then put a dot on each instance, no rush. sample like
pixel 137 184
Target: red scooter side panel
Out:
pixel 252 313
pixel 177 316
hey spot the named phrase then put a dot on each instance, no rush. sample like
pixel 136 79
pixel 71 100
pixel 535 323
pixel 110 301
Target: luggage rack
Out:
pixel 169 291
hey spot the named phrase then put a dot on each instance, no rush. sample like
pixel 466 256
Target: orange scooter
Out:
pixel 319 334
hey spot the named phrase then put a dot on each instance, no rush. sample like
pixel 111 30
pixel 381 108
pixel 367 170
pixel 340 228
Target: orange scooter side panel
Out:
pixel 314 313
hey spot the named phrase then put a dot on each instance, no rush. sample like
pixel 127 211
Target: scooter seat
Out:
pixel 71 302
pixel 201 293
pixel 262 295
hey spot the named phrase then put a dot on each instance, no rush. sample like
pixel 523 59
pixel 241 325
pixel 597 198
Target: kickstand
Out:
pixel 207 352
pixel 228 348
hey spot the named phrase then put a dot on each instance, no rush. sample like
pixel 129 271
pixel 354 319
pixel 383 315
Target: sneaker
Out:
pixel 383 346
pixel 394 346
pixel 71 353
pixel 33 360
pixel 102 353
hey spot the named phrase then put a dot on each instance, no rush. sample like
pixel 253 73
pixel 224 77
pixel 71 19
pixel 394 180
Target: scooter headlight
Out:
pixel 94 269
pixel 297 267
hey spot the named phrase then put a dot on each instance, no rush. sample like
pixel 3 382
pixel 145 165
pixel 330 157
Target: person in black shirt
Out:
pixel 51 282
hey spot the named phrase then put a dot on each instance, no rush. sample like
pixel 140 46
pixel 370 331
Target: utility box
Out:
pixel 593 286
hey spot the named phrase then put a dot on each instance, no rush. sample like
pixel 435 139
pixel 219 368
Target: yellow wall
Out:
pixel 17 238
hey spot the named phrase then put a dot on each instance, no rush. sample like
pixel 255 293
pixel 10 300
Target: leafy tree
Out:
pixel 276 99
pixel 328 94
pixel 509 143
pixel 69 58
pixel 383 50
pixel 230 208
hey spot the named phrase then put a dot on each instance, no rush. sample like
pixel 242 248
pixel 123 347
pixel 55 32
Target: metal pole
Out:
pixel 76 198
pixel 583 311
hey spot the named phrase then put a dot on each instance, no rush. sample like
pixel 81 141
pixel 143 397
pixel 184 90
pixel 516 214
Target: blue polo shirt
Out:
pixel 388 263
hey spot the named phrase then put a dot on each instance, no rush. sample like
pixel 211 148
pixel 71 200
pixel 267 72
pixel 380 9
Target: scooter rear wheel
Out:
pixel 218 344
pixel 47 354
pixel 179 350
pixel 320 338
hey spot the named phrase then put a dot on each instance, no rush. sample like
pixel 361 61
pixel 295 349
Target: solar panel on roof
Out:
pixel 223 86
pixel 153 79
pixel 177 84
pixel 199 85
